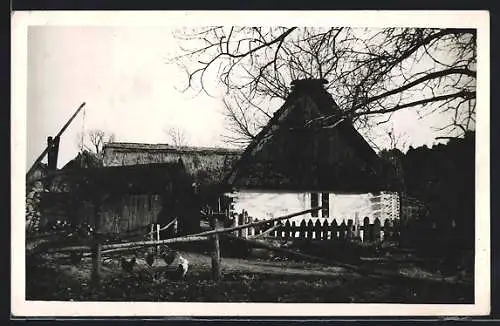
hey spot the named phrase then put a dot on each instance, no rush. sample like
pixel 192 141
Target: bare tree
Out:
pixel 177 136
pixel 93 140
pixel 371 73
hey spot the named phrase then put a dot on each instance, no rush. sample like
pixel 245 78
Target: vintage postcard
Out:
pixel 250 163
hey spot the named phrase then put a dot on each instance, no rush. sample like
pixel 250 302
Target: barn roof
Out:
pixel 308 145
pixel 134 147
pixel 207 165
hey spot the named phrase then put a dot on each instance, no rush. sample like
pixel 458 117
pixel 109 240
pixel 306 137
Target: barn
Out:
pixel 126 198
pixel 304 157
pixel 207 166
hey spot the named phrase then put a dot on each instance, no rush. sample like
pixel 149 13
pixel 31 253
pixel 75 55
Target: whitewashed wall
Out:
pixel 265 205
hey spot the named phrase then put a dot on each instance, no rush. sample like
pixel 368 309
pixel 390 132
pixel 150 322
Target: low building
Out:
pixel 129 197
pixel 207 166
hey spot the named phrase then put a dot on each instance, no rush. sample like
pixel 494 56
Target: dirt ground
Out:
pixel 244 280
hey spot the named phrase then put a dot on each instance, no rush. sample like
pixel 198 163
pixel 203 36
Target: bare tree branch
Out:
pixel 371 72
pixel 177 136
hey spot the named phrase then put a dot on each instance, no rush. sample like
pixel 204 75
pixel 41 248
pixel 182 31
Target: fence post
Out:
pixel 241 221
pixel 152 229
pixel 387 230
pixel 350 232
pixel 324 230
pixel 302 231
pixel 236 223
pixel 334 228
pixel 294 229
pixel 216 272
pixel 357 233
pixel 376 230
pixel 251 231
pixel 366 231
pixel 287 229
pixel 96 247
pixel 256 229
pixel 245 221
pixel 395 231
pixel 317 229
pixel 310 229
pixel 343 229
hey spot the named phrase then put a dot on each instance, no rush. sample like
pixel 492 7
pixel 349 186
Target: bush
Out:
pixel 33 209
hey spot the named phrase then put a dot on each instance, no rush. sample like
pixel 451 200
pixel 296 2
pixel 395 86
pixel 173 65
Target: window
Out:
pixel 325 203
pixel 314 203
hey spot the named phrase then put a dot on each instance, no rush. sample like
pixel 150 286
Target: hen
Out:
pixel 128 265
pixel 182 268
pixel 169 257
pixel 150 258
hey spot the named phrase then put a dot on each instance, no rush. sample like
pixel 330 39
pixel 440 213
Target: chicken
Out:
pixel 182 265
pixel 169 257
pixel 150 258
pixel 128 265
pixel 182 268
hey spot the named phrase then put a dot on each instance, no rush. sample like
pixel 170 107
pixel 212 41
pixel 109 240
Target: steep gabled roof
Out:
pixel 312 113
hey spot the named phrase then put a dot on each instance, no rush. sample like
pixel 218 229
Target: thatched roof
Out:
pixel 206 165
pixel 301 149
pixel 132 147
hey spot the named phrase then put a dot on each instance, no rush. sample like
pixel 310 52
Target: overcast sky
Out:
pixel 129 88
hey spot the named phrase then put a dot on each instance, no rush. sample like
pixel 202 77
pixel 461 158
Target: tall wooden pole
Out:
pixel 216 271
pixel 96 247
pixel 46 150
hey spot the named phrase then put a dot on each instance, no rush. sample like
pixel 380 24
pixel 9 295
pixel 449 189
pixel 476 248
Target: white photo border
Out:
pixel 20 21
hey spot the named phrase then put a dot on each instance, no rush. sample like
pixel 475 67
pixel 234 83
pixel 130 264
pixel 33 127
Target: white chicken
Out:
pixel 182 268
pixel 173 257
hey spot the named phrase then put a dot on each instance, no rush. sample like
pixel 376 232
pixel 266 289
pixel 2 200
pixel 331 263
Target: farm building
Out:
pixel 305 157
pixel 207 166
pixel 128 197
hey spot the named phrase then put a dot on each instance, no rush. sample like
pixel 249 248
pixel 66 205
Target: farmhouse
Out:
pixel 306 155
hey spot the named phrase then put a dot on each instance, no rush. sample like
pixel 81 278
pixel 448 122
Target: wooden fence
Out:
pixel 325 230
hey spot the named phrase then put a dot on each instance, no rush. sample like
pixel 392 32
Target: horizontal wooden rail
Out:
pixel 245 226
pixel 130 244
pixel 188 238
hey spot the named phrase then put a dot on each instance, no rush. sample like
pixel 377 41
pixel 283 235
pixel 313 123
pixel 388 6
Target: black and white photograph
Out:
pixel 263 159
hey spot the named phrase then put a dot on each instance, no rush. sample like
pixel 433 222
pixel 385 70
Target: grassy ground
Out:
pixel 265 279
